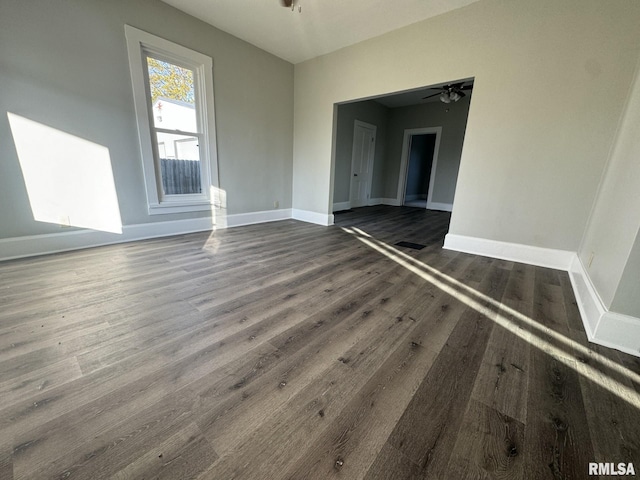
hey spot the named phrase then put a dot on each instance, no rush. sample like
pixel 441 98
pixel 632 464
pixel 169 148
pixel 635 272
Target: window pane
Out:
pixel 179 163
pixel 172 96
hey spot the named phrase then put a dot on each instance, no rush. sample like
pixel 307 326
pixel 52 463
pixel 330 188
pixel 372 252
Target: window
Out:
pixel 173 95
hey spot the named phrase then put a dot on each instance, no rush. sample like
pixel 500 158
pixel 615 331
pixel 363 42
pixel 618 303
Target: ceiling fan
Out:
pixel 291 4
pixel 451 93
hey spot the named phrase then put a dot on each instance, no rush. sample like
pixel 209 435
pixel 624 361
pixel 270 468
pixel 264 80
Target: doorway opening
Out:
pixel 418 137
pixel 418 168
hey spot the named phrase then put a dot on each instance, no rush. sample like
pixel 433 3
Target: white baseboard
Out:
pixel 337 207
pixel 239 219
pixel 589 302
pixel 340 206
pixel 603 327
pixel 32 245
pixel 542 257
pixel 444 207
pixel 312 217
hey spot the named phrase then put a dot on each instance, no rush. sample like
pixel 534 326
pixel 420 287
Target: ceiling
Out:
pixel 322 27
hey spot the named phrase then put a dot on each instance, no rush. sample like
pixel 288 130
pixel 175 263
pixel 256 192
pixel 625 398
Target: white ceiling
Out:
pixel 322 27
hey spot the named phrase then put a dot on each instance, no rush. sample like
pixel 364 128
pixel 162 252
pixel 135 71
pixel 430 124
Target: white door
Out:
pixel 364 144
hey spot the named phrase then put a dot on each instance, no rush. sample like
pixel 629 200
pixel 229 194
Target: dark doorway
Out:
pixel 419 169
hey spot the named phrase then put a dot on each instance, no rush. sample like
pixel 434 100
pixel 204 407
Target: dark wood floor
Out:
pixel 294 351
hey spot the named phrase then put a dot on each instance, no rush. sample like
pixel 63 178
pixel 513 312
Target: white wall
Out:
pixel 550 82
pixel 64 64
pixel 627 298
pixel 612 233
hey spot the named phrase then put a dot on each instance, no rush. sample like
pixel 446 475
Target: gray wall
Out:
pixel 64 63
pixel 369 112
pixel 453 119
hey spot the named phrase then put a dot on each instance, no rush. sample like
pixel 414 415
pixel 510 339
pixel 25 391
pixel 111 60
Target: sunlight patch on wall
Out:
pixel 69 179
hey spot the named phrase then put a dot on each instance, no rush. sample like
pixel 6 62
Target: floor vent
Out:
pixel 415 246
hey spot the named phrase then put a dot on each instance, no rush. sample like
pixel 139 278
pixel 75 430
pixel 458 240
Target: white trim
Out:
pixel 602 326
pixel 251 218
pixel 312 217
pixel 29 246
pixel 542 257
pixel 194 207
pixel 589 302
pixel 374 201
pixel 338 207
pixel 370 160
pixel 404 160
pixel 444 207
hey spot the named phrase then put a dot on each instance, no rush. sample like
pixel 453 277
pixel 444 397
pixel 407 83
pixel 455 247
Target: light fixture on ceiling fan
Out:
pixel 451 93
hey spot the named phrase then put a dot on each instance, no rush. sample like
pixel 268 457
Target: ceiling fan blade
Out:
pixel 286 3
pixel 461 93
pixel 429 96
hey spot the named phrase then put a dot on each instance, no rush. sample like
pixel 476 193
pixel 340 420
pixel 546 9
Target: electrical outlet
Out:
pixel 276 204
pixel 590 259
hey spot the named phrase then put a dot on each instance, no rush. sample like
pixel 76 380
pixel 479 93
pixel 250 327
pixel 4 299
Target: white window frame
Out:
pixel 139 45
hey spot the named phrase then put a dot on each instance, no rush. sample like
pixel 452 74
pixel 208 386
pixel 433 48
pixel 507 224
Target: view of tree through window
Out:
pixel 170 81
pixel 175 126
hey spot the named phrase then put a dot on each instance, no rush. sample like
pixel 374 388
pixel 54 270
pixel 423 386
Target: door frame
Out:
pixel 404 164
pixel 370 160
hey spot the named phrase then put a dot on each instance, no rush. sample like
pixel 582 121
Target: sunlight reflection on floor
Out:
pixel 514 322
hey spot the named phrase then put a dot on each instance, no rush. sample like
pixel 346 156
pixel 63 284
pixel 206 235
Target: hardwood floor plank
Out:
pixel 614 424
pixel 557 438
pixel 391 464
pixel 6 458
pixel 502 381
pixel 427 431
pixel 184 455
pixel 489 446
pixel 41 380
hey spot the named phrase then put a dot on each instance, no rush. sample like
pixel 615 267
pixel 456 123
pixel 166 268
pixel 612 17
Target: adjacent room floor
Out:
pixel 294 351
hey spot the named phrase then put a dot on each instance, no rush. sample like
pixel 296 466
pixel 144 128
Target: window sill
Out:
pixel 162 209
